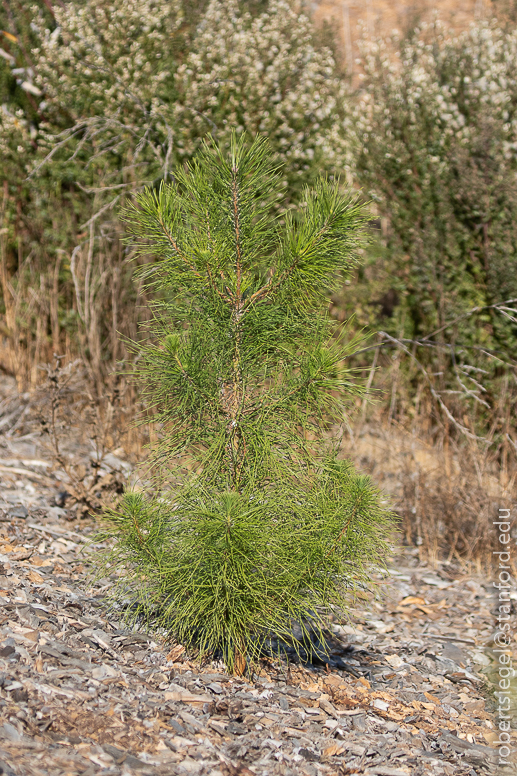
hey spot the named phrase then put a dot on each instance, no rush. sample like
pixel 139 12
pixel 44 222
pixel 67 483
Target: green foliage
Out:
pixel 437 129
pixel 254 521
pixel 100 99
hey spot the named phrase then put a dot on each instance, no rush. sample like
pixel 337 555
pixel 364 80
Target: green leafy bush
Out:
pixel 437 139
pixel 251 521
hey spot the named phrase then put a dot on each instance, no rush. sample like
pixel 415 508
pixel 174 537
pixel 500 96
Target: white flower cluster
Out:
pixel 437 148
pixel 105 59
pixel 265 76
pixel 15 136
pixel 437 89
pixel 126 83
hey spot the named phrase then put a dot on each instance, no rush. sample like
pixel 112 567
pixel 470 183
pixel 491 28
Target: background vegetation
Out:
pixel 428 131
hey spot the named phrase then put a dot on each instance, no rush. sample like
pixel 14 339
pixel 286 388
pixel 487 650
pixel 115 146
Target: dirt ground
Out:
pixel 82 693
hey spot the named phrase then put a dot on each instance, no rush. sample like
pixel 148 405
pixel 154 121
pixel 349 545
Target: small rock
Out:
pixel 134 762
pixel 213 678
pixel 19 511
pixel 60 498
pixel 118 754
pixel 103 671
pixel 307 754
pixel 177 727
pixel 217 726
pixel 5 770
pixel 236 729
pixel 13 686
pixel 454 653
pixel 359 722
pixel 189 719
pixel 10 733
pixel 382 705
pixel 101 636
pixel 20 695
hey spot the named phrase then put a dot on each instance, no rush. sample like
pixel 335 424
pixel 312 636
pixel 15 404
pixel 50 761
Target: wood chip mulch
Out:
pixel 80 693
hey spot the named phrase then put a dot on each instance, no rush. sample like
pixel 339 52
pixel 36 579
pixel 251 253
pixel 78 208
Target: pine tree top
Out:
pixel 242 358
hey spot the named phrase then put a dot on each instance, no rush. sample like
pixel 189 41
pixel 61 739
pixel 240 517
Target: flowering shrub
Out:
pixel 105 71
pixel 106 59
pixel 133 91
pixel 265 76
pixel 437 149
pixel 100 98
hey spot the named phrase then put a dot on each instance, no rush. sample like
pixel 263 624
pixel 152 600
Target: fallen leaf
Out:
pixel 10 36
pixel 41 562
pixel 474 707
pixel 32 635
pixel 175 653
pixel 178 693
pixel 394 660
pixel 431 613
pixel 23 555
pixel 385 696
pixel 380 704
pixel 412 599
pixel 217 726
pixel 335 680
pixel 35 577
pixel 345 700
pixel 333 750
pixel 396 716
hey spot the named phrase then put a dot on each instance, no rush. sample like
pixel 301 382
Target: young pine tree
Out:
pixel 252 521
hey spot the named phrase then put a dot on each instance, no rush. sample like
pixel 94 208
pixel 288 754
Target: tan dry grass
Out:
pixel 447 496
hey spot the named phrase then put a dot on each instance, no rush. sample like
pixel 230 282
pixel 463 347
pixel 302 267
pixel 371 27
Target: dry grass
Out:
pixel 379 17
pixel 83 305
pixel 446 487
pixel 446 500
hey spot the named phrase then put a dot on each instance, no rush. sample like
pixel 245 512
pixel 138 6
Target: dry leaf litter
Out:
pixel 80 693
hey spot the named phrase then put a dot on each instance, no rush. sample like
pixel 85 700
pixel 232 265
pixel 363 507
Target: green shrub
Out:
pixel 250 521
pixel 437 138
